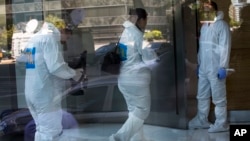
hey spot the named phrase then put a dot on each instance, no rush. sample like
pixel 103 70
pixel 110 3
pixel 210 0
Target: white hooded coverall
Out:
pixel 134 83
pixel 44 68
pixel 214 53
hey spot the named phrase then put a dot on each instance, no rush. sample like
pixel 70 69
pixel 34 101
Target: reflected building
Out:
pixel 102 24
pixel 102 17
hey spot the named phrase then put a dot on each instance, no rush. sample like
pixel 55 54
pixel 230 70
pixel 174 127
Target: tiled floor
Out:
pixel 101 132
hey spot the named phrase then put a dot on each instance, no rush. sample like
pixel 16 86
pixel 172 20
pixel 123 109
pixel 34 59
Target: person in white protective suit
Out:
pixel 45 63
pixel 213 60
pixel 134 78
pixel 45 72
pixel 45 69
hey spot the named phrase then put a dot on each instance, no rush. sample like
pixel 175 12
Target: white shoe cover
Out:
pixel 197 123
pixel 139 136
pixel 129 128
pixel 218 128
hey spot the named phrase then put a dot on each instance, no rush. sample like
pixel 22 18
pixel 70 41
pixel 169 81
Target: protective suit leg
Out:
pixel 48 119
pixel 220 124
pixel 139 136
pixel 220 102
pixel 129 128
pixel 203 97
pixel 137 99
pixel 45 132
pixel 68 122
pixel 138 103
pixel 200 121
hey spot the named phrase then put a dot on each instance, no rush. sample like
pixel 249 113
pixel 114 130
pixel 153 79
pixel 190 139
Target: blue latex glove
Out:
pixel 222 73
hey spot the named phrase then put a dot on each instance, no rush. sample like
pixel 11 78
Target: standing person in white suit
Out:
pixel 213 61
pixel 134 78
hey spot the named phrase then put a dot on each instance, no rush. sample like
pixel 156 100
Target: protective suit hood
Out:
pixel 49 28
pixel 77 16
pixel 128 24
pixel 220 16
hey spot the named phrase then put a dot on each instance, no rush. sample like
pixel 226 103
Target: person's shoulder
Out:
pixel 132 31
pixel 222 23
pixel 43 38
pixel 220 19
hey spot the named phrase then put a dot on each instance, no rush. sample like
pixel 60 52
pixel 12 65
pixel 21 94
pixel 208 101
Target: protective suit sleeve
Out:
pixel 138 44
pixel 198 56
pixel 225 46
pixel 22 58
pixel 198 59
pixel 197 70
pixel 54 60
pixel 149 56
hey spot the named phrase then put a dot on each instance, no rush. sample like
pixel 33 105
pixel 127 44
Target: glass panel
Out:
pixel 95 107
pixel 39 65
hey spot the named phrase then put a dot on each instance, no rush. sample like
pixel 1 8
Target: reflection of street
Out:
pixel 6 62
pixel 7 84
pixel 100 45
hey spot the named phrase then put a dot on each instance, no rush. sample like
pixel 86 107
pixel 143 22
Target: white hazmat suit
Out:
pixel 134 83
pixel 214 53
pixel 44 68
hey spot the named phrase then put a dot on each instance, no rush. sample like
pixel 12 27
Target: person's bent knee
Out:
pixel 203 98
pixel 141 113
pixel 220 102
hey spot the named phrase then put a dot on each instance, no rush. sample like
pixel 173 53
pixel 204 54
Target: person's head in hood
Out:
pixel 56 26
pixel 210 6
pixel 73 18
pixel 209 12
pixel 65 35
pixel 214 5
pixel 67 23
pixel 61 33
pixel 139 17
pixel 76 16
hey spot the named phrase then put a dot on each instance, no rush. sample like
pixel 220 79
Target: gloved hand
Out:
pixel 222 73
pixel 79 73
pixel 76 83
